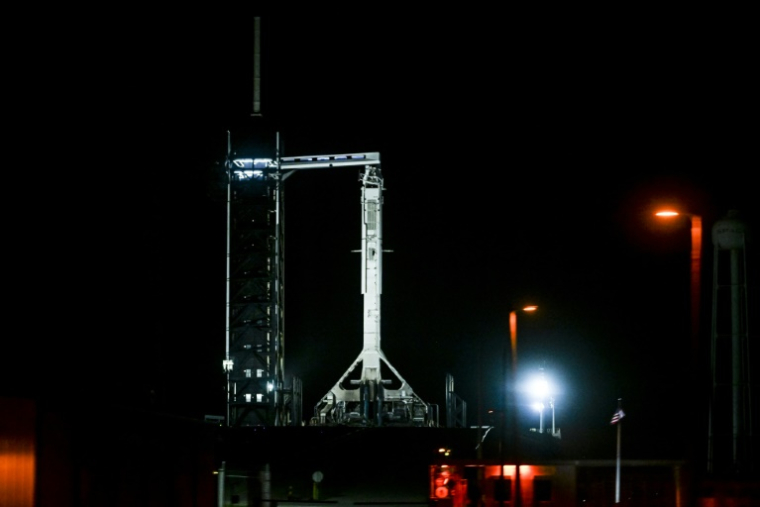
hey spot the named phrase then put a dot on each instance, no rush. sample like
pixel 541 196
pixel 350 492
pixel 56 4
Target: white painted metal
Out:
pixel 373 402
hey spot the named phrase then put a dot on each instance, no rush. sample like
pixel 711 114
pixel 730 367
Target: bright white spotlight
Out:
pixel 539 388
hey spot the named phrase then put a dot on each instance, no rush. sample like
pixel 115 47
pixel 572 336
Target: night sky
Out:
pixel 521 164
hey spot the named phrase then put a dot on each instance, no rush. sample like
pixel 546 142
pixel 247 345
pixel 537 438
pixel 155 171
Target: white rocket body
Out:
pixel 373 401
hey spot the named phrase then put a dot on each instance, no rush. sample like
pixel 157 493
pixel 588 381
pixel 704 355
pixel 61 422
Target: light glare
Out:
pixel 539 388
pixel 252 163
pixel 249 174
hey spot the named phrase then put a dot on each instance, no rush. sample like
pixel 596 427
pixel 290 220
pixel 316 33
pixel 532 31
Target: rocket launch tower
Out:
pixel 254 351
pixel 371 392
pixel 366 395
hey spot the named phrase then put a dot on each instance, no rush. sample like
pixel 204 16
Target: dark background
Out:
pixel 522 156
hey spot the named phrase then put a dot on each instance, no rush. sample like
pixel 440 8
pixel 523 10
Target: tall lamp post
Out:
pixel 539 406
pixel 696 262
pixel 511 396
pixel 695 292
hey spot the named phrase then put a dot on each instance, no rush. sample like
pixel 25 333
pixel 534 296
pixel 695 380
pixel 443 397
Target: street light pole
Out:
pixel 541 419
pixel 695 263
pixel 551 403
pixel 696 268
pixel 511 394
pixel 542 392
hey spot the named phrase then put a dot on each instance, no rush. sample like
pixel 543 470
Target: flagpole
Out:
pixel 617 465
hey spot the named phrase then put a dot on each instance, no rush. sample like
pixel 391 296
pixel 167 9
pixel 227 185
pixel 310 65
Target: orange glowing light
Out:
pixel 527 472
pixel 17 468
pixel 667 213
pixel 530 308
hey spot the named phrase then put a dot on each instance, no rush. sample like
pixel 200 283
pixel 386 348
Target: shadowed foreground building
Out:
pixel 64 457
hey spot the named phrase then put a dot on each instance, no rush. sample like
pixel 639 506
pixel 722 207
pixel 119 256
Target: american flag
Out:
pixel 617 416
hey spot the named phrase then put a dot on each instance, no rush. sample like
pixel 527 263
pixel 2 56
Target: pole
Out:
pixel 515 437
pixel 227 363
pixel 480 421
pixel 541 419
pixel 617 465
pixel 696 263
pixel 695 378
pixel 502 489
pixel 265 477
pixel 220 486
pixel 503 423
pixel 551 400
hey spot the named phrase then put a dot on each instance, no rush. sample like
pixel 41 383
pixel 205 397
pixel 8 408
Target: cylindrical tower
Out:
pixel 731 448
